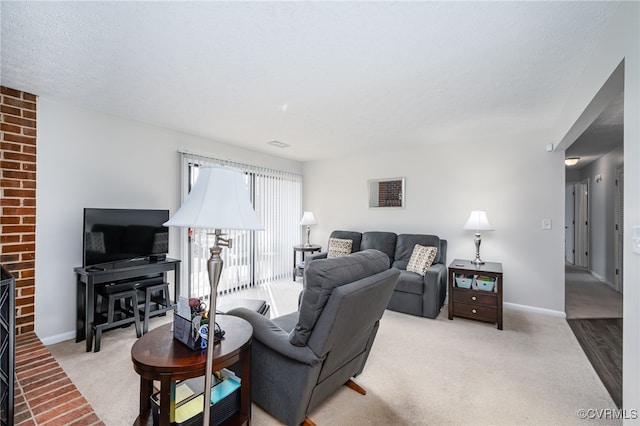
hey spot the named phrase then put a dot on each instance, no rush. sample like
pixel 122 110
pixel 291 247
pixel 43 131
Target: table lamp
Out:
pixel 478 221
pixel 308 219
pixel 218 200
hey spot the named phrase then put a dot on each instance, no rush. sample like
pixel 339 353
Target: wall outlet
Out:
pixel 546 224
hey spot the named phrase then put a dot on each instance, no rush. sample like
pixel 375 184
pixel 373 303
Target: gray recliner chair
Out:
pixel 300 359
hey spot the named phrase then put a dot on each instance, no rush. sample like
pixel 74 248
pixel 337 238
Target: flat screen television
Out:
pixel 123 234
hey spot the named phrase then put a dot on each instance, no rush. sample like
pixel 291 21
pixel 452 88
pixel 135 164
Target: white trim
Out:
pixel 52 340
pixel 528 308
pixel 603 280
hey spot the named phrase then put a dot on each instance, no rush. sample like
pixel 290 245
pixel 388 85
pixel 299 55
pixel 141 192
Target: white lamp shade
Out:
pixel 218 200
pixel 308 219
pixel 478 221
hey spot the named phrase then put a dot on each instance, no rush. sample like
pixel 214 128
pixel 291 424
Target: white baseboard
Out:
pixel 51 340
pixel 528 308
pixel 603 280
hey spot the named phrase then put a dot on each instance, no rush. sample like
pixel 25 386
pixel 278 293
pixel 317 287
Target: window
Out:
pixel 255 256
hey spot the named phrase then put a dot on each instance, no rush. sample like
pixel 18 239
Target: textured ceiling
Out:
pixel 328 78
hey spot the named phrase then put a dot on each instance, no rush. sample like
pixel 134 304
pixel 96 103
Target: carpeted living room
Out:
pixel 420 371
pixel 397 139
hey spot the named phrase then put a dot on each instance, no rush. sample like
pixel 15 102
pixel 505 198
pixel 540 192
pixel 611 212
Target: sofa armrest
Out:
pixel 322 255
pixel 435 289
pixel 269 334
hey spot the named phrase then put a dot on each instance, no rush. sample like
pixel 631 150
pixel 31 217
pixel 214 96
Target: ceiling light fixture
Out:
pixel 279 144
pixel 571 161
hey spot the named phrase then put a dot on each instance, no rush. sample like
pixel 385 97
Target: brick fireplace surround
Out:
pixel 44 395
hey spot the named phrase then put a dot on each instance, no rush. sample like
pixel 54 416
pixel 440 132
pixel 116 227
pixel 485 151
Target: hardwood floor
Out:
pixel 601 340
pixel 594 313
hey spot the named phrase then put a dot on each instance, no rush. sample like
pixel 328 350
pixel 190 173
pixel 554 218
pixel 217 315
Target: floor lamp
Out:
pixel 218 200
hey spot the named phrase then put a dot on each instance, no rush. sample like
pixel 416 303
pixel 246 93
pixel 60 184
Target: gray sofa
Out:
pixel 299 360
pixel 414 294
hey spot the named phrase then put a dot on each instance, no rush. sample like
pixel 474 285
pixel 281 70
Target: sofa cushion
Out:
pixel 406 243
pixel 383 241
pixel 322 276
pixel 339 247
pixel 421 259
pixel 356 237
pixel 410 282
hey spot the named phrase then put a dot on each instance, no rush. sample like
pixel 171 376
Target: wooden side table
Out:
pixel 158 356
pixel 303 249
pixel 476 304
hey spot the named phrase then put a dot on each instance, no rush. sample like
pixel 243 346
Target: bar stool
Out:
pixel 157 301
pixel 122 314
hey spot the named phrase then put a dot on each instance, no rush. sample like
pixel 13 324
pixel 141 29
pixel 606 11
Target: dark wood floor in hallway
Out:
pixel 601 340
pixel 594 313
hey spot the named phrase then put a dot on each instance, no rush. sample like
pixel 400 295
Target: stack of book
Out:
pixel 189 399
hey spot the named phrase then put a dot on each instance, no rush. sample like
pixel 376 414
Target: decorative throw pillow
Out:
pixel 421 259
pixel 94 241
pixel 339 247
pixel 160 242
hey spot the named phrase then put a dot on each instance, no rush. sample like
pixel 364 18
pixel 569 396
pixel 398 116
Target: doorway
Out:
pixel 570 224
pixel 593 283
pixel 582 224
pixel 619 226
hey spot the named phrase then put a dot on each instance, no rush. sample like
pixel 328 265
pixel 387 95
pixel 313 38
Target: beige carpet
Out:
pixel 420 372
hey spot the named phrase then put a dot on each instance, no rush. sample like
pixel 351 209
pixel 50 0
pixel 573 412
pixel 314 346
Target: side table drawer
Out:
pixel 475 297
pixel 479 312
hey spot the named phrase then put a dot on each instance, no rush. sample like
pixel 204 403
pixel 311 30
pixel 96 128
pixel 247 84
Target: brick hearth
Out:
pixel 44 394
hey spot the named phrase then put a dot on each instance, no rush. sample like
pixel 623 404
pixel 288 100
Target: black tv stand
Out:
pixel 121 271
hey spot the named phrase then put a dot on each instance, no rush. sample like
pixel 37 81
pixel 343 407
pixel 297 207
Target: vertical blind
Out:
pixel 255 256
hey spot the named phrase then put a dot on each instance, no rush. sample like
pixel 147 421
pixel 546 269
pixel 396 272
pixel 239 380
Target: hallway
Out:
pixel 586 297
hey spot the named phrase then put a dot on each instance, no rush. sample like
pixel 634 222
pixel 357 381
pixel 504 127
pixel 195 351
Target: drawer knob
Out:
pixel 474 311
pixel 473 298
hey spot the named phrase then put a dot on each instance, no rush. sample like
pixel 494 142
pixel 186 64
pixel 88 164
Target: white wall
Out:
pixel 515 180
pixel 602 214
pixel 89 159
pixel 620 41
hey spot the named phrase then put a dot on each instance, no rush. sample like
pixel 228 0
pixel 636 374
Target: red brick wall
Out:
pixel 18 198
pixel 390 193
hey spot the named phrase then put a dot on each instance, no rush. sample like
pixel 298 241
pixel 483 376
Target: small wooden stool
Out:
pixel 157 301
pixel 126 312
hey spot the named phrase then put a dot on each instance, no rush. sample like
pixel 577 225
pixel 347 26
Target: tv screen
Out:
pixel 123 234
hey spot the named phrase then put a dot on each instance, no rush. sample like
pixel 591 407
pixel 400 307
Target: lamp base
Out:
pixel 477 261
pixel 308 244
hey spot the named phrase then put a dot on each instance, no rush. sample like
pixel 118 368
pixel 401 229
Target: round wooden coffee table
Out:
pixel 158 356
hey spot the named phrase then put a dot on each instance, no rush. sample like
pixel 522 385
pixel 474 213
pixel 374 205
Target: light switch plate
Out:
pixel 546 224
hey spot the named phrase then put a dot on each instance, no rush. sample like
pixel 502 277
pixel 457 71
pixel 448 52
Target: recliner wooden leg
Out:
pixel 308 422
pixel 356 387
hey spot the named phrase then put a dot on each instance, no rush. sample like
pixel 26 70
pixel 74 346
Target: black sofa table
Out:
pixel 123 270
